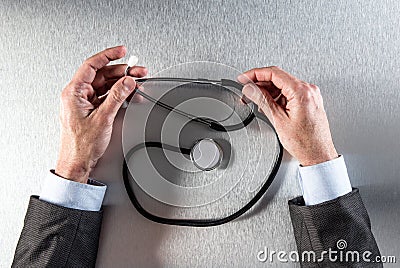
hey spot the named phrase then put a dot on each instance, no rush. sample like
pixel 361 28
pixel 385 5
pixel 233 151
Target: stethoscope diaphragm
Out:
pixel 206 154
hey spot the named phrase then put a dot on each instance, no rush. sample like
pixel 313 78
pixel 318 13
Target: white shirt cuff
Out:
pixel 71 194
pixel 325 181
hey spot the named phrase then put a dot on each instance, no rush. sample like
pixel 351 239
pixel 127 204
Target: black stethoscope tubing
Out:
pixel 211 124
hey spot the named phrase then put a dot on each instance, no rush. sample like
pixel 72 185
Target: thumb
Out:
pixel 119 92
pixel 263 99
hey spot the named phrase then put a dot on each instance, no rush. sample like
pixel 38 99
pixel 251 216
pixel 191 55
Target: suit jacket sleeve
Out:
pixel 319 227
pixel 55 236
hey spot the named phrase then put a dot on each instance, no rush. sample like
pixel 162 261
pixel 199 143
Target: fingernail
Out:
pixel 242 78
pixel 248 90
pixel 129 83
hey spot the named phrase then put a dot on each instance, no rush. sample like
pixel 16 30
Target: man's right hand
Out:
pixel 86 118
pixel 296 110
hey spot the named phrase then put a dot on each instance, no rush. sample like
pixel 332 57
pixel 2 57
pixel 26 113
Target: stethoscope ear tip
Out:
pixel 133 60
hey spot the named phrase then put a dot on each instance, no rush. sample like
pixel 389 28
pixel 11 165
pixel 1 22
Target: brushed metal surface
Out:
pixel 349 48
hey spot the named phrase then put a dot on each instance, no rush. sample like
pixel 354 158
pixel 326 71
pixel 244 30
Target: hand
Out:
pixel 86 119
pixel 296 110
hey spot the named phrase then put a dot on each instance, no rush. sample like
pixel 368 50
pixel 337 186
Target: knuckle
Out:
pixel 308 95
pixel 274 67
pixel 117 96
pixel 315 88
pixel 303 86
pixel 306 91
pixel 86 62
pixel 67 95
pixel 89 65
pixel 64 95
pixel 317 91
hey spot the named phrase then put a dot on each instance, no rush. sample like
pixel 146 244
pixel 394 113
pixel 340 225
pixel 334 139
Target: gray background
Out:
pixel 349 48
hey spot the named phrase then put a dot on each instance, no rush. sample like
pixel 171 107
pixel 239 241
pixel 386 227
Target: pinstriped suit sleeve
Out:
pixel 56 236
pixel 319 227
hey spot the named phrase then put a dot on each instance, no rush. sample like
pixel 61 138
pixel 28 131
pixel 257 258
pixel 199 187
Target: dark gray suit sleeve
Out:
pixel 55 236
pixel 319 227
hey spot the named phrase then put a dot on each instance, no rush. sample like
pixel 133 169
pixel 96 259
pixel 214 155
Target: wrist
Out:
pixel 318 157
pixel 73 161
pixel 73 170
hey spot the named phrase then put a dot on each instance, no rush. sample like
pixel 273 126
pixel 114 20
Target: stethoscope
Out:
pixel 204 162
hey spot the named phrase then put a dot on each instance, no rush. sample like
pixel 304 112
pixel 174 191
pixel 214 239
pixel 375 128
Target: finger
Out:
pixel 75 91
pixel 117 95
pixel 105 87
pixel 281 79
pixel 113 73
pixel 137 71
pixel 108 75
pixel 135 98
pixel 87 72
pixel 118 70
pixel 270 87
pixel 263 100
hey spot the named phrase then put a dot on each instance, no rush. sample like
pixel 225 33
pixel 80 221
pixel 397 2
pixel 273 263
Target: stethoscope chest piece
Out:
pixel 206 154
